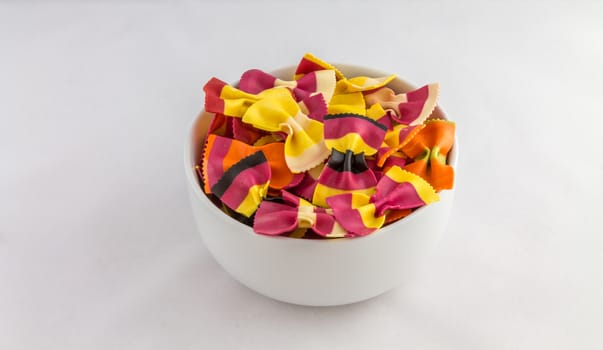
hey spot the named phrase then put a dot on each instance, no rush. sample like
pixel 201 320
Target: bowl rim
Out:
pixel 194 183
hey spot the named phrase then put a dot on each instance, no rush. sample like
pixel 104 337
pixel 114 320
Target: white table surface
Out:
pixel 98 248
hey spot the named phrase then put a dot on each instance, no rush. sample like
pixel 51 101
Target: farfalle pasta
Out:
pixel 398 189
pixel 221 153
pixel 293 213
pixel 323 155
pixel 364 84
pixel 322 81
pixel 395 139
pixel 310 63
pixel 429 148
pixel 410 108
pixel 304 145
pixel 351 138
pixel 245 184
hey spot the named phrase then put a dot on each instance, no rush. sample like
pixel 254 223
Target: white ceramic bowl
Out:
pixel 316 272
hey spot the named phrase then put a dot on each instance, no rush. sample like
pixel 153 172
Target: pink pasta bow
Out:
pixel 255 81
pixel 398 189
pixel 351 138
pixel 274 218
pixel 410 108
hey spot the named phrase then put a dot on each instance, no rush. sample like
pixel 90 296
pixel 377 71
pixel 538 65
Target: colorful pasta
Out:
pixel 323 155
pixel 274 218
pixel 351 138
pixel 398 189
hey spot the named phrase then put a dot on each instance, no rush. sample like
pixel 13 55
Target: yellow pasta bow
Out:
pixel 366 83
pixel 278 112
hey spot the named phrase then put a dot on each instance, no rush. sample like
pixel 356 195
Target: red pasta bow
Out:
pixel 350 137
pixel 398 189
pixel 243 186
pixel 274 218
pixel 255 81
pixel 411 108
pixel 221 153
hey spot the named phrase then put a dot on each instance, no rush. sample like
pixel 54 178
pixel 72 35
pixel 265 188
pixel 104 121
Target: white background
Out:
pixel 98 249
